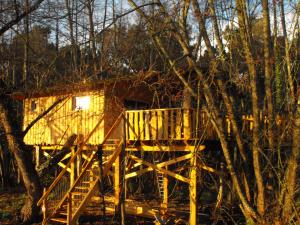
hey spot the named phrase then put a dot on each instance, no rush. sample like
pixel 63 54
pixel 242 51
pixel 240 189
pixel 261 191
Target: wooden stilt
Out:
pixel 69 210
pixel 122 185
pixel 193 190
pixel 37 156
pixel 166 193
pixel 117 184
pixel 101 184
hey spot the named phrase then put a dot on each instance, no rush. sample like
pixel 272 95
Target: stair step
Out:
pixel 78 193
pixel 59 220
pixel 82 188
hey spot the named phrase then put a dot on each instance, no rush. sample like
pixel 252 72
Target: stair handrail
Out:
pixel 64 170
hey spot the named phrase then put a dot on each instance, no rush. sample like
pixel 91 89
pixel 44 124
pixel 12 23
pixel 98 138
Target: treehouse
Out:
pixel 113 134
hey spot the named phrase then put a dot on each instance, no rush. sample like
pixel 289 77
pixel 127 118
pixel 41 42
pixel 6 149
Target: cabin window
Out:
pixel 81 102
pixel 33 106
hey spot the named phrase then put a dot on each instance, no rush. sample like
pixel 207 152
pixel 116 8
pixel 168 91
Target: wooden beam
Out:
pixel 170 148
pixel 164 171
pixel 167 163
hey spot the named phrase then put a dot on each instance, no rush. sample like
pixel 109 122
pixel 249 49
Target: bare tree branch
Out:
pixel 13 22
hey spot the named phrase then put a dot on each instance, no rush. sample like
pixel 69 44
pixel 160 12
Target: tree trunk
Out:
pixel 291 171
pixel 256 145
pixel 23 159
pixel 92 34
pixel 268 72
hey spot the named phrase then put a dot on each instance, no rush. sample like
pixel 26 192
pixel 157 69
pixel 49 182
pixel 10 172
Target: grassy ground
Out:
pixel 10 206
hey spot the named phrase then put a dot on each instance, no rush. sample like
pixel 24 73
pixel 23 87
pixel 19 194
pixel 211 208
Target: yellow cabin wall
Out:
pixel 63 121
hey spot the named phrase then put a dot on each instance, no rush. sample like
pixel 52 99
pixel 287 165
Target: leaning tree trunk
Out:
pixel 31 181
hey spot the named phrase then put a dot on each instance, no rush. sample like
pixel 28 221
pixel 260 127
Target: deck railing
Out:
pixel 185 124
pixel 164 124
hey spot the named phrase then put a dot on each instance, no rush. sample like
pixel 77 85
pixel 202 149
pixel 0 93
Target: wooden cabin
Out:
pixel 80 108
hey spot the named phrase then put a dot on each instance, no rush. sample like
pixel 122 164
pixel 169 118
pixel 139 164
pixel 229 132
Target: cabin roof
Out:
pixel 78 87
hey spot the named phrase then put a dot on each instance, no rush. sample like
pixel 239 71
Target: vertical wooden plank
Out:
pixel 186 124
pixel 126 125
pixel 147 125
pixel 178 124
pixel 136 125
pixel 153 124
pixel 166 124
pixel 172 123
pixel 141 124
pixel 131 125
pixel 159 125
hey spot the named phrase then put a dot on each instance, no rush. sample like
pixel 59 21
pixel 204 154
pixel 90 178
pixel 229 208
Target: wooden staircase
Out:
pixel 63 204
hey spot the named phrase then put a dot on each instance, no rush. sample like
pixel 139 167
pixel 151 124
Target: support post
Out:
pixel 122 186
pixel 101 186
pixel 117 184
pixel 69 209
pixel 166 193
pixel 193 190
pixel 37 156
